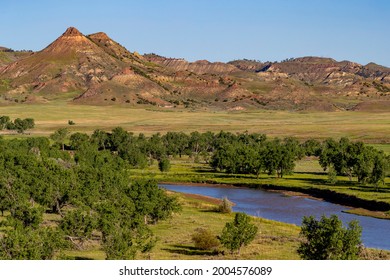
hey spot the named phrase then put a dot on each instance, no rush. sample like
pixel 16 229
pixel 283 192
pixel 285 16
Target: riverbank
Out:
pixel 364 200
pixel 275 240
pixel 354 210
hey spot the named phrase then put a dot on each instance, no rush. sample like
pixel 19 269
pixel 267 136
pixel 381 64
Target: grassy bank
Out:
pixel 274 241
pixel 308 179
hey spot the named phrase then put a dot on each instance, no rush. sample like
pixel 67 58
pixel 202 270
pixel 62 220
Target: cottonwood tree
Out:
pixel 31 244
pixel 380 169
pixel 327 239
pixel 59 136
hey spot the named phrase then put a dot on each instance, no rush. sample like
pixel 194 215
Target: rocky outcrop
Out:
pixel 198 67
pixel 71 62
pixel 250 65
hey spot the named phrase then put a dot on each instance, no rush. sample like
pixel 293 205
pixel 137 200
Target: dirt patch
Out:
pixel 207 199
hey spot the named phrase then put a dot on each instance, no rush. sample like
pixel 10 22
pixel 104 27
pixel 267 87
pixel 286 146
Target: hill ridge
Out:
pixel 100 71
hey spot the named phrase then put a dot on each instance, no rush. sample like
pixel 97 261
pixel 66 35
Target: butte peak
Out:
pixel 72 31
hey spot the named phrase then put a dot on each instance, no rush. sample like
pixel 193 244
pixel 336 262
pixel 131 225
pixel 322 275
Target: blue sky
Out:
pixel 216 30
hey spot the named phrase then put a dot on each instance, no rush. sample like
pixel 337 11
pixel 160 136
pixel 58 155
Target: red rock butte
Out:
pixel 72 31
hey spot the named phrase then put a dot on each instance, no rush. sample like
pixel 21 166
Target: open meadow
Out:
pixel 364 126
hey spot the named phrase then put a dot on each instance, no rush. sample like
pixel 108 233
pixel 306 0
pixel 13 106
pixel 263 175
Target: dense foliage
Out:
pixel 327 239
pixel 20 125
pixel 88 189
pixel 355 159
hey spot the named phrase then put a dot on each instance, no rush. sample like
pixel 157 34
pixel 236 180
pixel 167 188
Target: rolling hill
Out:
pixel 94 69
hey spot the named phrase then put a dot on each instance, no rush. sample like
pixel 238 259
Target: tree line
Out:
pixel 241 153
pixel 20 125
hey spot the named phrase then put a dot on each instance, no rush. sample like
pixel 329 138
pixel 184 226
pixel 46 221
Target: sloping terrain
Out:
pixel 94 69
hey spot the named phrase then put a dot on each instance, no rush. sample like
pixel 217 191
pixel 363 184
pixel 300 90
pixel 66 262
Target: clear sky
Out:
pixel 216 30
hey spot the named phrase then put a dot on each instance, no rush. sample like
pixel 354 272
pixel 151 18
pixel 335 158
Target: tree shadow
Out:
pixel 190 251
pixel 314 181
pixel 77 258
pixel 311 172
pixel 370 189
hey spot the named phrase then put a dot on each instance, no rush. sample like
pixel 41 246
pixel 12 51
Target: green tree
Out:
pixel 124 243
pixel 280 156
pixel 31 244
pixel 119 137
pixel 27 214
pixel 78 139
pixel 380 169
pixel 176 143
pixel 164 165
pixel 332 176
pixel 59 136
pixel 4 121
pixel 79 224
pixel 22 125
pixel 312 147
pixel 238 233
pixel 101 139
pixel 327 239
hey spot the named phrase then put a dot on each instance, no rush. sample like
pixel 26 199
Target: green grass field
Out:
pixel 369 127
pixel 274 240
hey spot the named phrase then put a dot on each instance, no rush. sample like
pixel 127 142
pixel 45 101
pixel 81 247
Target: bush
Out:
pixel 164 165
pixel 225 206
pixel 204 239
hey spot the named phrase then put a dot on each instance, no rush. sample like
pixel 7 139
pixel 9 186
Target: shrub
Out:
pixel 164 165
pixel 225 206
pixel 204 239
pixel 238 233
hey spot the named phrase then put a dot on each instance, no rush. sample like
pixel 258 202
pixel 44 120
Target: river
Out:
pixel 290 209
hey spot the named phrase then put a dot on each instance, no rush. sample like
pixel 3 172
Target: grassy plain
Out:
pixel 368 127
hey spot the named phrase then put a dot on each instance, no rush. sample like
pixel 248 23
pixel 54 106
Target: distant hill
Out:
pixel 94 69
pixel 8 55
